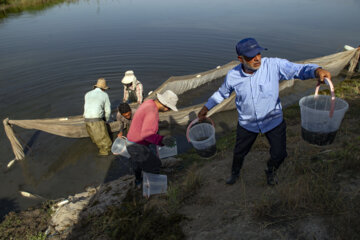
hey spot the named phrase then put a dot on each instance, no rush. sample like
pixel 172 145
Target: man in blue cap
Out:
pixel 256 84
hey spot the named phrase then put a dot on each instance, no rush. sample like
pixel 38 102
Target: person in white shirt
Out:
pixel 133 88
pixel 97 108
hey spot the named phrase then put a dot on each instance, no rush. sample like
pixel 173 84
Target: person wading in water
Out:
pixel 97 108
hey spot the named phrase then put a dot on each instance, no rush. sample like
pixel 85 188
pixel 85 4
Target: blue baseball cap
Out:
pixel 248 47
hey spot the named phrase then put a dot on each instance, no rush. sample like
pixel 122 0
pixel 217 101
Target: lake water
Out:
pixel 49 59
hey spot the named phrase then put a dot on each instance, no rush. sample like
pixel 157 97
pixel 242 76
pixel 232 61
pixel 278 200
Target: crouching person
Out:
pixel 124 116
pixel 143 132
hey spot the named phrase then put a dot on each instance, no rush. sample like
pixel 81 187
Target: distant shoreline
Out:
pixel 18 6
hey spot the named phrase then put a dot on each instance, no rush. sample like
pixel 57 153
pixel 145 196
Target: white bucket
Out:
pixel 154 184
pixel 321 116
pixel 202 137
pixel 119 147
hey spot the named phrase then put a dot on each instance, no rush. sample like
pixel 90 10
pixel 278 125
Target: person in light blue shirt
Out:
pixel 256 84
pixel 97 108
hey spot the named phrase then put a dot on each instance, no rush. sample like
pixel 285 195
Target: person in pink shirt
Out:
pixel 143 132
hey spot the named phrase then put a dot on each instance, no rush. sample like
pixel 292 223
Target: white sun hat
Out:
pixel 169 99
pixel 129 77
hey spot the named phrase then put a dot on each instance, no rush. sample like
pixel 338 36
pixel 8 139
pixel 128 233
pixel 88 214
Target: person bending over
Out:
pixel 143 132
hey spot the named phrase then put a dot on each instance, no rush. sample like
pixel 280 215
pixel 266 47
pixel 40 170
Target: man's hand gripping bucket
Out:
pixel 202 136
pixel 321 116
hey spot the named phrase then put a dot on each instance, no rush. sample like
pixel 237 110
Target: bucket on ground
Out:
pixel 167 151
pixel 154 184
pixel 119 147
pixel 321 116
pixel 202 136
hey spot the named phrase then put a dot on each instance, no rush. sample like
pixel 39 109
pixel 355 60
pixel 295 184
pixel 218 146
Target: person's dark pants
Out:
pixel 143 159
pixel 245 139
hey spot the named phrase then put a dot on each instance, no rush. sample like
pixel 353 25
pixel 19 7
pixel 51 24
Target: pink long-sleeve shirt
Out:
pixel 145 125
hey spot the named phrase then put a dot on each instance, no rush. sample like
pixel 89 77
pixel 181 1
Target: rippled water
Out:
pixel 49 59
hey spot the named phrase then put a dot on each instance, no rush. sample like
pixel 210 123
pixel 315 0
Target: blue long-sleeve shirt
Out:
pixel 257 95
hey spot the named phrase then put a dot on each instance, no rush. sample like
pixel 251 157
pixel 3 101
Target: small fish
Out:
pixel 11 163
pixel 30 195
pixel 59 204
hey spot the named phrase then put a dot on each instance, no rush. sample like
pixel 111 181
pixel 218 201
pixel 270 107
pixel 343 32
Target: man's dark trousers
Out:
pixel 143 159
pixel 245 139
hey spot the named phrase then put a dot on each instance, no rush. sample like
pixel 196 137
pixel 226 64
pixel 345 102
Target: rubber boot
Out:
pixel 271 177
pixel 232 179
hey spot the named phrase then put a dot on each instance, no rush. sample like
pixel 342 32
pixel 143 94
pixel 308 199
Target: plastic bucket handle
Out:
pixel 332 107
pixel 192 123
pixel 123 137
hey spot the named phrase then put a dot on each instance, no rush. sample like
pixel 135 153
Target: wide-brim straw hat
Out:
pixel 129 77
pixel 101 83
pixel 169 99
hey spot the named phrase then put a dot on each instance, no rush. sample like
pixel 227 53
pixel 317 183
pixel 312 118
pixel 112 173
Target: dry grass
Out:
pixel 156 218
pixel 192 181
pixel 181 190
pixel 136 218
pixel 140 218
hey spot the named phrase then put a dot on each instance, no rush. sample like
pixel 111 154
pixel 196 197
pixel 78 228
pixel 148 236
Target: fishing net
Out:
pixel 74 127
